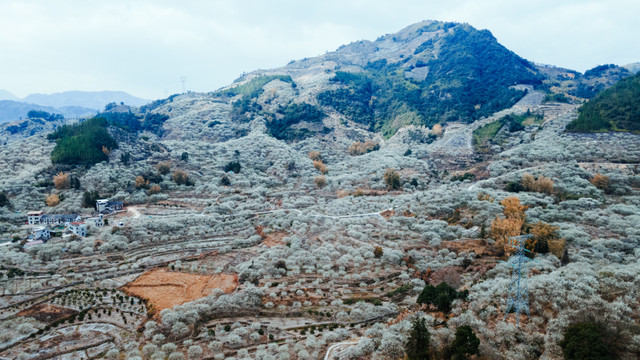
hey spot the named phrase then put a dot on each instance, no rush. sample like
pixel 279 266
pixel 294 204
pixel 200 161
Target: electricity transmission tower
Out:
pixel 183 79
pixel 518 287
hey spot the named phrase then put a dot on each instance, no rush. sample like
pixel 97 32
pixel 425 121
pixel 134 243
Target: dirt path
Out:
pixel 336 350
pixel 458 137
pixel 134 210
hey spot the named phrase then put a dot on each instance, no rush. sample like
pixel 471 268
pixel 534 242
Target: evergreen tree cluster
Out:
pixel 441 296
pixel 131 122
pixel 39 114
pixel 418 345
pixel 584 341
pixel 280 125
pixel 4 201
pixel 82 143
pixel 89 198
pixel 614 109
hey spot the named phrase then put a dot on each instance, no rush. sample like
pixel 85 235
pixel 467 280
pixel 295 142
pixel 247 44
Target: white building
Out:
pixel 78 228
pixel 33 217
pixel 96 221
pixel 41 233
pixel 105 205
pixel 101 205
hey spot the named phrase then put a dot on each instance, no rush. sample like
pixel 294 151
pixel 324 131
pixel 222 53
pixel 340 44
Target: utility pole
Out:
pixel 183 79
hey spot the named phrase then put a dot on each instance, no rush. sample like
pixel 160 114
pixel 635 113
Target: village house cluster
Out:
pixel 44 225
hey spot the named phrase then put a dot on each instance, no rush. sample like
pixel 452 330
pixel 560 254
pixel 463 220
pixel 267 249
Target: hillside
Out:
pixel 614 109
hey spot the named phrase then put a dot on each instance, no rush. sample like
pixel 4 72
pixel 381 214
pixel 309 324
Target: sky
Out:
pixel 146 47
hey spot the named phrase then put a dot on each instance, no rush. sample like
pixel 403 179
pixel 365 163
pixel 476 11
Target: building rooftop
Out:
pixel 61 216
pixel 33 243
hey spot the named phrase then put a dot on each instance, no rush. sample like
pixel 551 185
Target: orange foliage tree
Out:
pixel 541 184
pixel 320 181
pixel 600 181
pixel 502 228
pixel 61 181
pixel 164 167
pixel 315 155
pixel 320 166
pixel 180 177
pixel 436 130
pixel 141 182
pixel 544 235
pixel 155 189
pixel 52 200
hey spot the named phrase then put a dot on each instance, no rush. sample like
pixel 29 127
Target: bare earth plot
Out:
pixel 164 289
pixel 275 238
pixel 47 313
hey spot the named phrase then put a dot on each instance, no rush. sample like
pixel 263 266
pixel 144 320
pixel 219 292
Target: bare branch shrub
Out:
pixel 320 166
pixel 359 148
pixel 164 167
pixel 61 181
pixel 392 179
pixel 320 181
pixel 315 155
pixel 52 200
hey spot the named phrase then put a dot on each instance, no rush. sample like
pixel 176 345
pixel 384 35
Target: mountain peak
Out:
pixel 427 73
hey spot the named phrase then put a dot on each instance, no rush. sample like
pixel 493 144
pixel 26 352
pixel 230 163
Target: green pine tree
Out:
pixel 465 343
pixel 417 346
pixel 584 341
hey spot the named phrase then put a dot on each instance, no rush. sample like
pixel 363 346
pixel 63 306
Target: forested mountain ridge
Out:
pixel 614 109
pixel 428 73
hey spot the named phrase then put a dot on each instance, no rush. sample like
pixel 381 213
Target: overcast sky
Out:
pixel 145 47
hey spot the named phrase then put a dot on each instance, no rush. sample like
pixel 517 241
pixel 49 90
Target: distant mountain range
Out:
pixel 16 110
pixel 68 103
pixel 5 95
